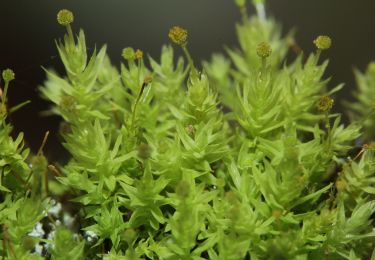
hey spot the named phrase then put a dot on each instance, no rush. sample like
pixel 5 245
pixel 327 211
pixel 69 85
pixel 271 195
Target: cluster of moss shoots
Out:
pixel 243 159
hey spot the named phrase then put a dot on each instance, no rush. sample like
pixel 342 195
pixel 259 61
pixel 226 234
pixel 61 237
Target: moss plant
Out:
pixel 243 159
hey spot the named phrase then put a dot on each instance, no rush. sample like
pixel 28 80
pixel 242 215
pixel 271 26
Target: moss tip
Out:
pixel 264 50
pixel 65 17
pixel 183 189
pixel 178 35
pixel 8 75
pixel 323 42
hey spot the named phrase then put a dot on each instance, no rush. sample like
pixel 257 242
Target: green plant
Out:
pixel 243 158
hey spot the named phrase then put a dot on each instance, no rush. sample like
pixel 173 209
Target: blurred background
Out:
pixel 29 28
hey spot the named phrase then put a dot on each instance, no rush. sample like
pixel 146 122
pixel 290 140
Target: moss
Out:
pixel 241 159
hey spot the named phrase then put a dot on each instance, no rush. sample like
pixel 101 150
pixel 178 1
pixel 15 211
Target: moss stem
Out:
pixel 136 103
pixel 190 60
pixel 4 96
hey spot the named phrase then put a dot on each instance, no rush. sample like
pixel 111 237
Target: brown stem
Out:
pixel 136 102
pixel 54 170
pixel 40 151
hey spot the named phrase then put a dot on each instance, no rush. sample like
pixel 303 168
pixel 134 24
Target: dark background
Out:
pixel 28 29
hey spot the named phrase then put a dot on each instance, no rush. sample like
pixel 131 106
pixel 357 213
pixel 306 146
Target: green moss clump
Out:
pixel 242 159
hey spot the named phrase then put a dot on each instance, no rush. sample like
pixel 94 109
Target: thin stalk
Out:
pixel 40 151
pixel 54 170
pixel 264 66
pixel 329 131
pixel 359 154
pixel 136 103
pixel 318 53
pixel 139 70
pixel 70 33
pixel 190 60
pixel 4 96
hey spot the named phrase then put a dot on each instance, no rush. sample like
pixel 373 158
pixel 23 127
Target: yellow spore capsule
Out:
pixel 178 35
pixel 277 213
pixel 323 42
pixel 128 53
pixel 138 54
pixel 264 50
pixel 190 129
pixel 65 17
pixel 148 79
pixel 8 75
pixel 325 104
pixel 340 185
pixel 67 104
